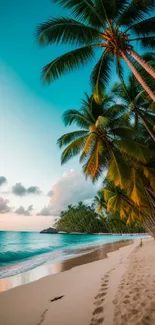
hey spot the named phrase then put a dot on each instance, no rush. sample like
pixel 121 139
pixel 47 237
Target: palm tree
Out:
pixel 102 142
pixel 118 202
pixel 99 202
pixel 136 107
pixel 113 27
pixel 117 208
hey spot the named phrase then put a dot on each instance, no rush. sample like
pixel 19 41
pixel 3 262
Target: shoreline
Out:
pixel 30 304
pixel 116 290
pixel 83 256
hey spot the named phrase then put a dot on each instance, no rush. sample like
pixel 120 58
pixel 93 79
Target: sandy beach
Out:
pixel 117 290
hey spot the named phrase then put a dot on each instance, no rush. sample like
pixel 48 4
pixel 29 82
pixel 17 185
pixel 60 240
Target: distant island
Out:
pixel 49 230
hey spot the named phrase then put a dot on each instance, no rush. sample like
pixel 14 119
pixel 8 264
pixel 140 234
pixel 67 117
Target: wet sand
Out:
pixel 118 290
pixel 86 255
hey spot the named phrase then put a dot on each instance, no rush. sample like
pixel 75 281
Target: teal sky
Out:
pixel 30 121
pixel 30 112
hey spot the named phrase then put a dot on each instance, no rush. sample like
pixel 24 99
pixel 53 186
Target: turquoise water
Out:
pixel 23 251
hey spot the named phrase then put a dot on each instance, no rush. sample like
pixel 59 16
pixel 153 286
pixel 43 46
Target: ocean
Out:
pixel 24 251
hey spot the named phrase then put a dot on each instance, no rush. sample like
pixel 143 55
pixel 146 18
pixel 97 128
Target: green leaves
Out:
pixel 73 149
pixel 136 189
pixel 66 30
pixel 136 10
pixel 144 27
pixel 148 42
pixel 93 166
pixel 118 171
pixel 73 116
pixel 66 63
pixel 84 10
pixel 102 122
pixel 134 149
pixel 101 76
pixel 111 8
pixel 69 137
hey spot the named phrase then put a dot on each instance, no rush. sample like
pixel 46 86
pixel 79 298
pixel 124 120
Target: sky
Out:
pixel 34 187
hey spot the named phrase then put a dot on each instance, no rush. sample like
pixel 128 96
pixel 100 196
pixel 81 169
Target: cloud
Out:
pixel 46 211
pixel 3 180
pixel 33 190
pixel 50 193
pixel 70 188
pixel 20 190
pixel 4 205
pixel 25 212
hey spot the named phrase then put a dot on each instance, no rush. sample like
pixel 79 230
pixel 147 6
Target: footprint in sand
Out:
pixel 98 302
pixel 126 302
pixel 97 321
pixel 105 285
pixel 100 295
pixel 98 310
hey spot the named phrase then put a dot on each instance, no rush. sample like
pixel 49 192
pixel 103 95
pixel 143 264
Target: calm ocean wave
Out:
pixel 23 251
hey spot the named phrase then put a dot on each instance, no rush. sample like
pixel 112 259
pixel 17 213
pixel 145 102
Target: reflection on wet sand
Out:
pixel 87 255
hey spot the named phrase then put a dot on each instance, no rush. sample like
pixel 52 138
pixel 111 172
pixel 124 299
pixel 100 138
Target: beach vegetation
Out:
pixel 114 133
pixel 106 32
pixel 83 218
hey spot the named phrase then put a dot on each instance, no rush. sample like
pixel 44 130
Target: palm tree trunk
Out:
pixel 142 62
pixel 138 76
pixel 152 135
pixel 149 228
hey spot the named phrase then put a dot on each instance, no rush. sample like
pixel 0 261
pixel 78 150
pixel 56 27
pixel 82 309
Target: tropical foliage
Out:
pixel 84 219
pixel 114 133
pixel 111 143
pixel 138 109
pixel 113 28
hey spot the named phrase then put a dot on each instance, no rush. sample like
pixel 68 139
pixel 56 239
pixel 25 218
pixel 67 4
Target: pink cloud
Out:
pixel 70 189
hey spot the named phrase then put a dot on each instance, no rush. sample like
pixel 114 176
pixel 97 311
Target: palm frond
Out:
pixel 69 137
pixel 136 190
pixel 73 116
pixel 92 168
pixel 116 111
pixel 101 76
pixel 73 149
pixel 134 149
pixel 149 173
pixel 136 10
pixel 67 62
pixel 151 106
pixel 84 10
pixel 89 144
pixel 148 42
pixel 118 91
pixel 145 27
pixel 86 109
pixel 65 30
pixel 102 122
pixel 112 8
pixel 118 171
pixel 124 132
pixel 108 193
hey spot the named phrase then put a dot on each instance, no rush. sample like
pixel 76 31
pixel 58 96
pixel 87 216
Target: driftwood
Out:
pixel 56 298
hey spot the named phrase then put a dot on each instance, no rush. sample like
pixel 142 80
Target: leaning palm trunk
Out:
pixel 150 220
pixel 144 64
pixel 152 135
pixel 149 227
pixel 149 224
pixel 138 76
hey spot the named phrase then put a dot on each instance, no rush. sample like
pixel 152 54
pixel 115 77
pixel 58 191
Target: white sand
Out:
pixel 119 290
